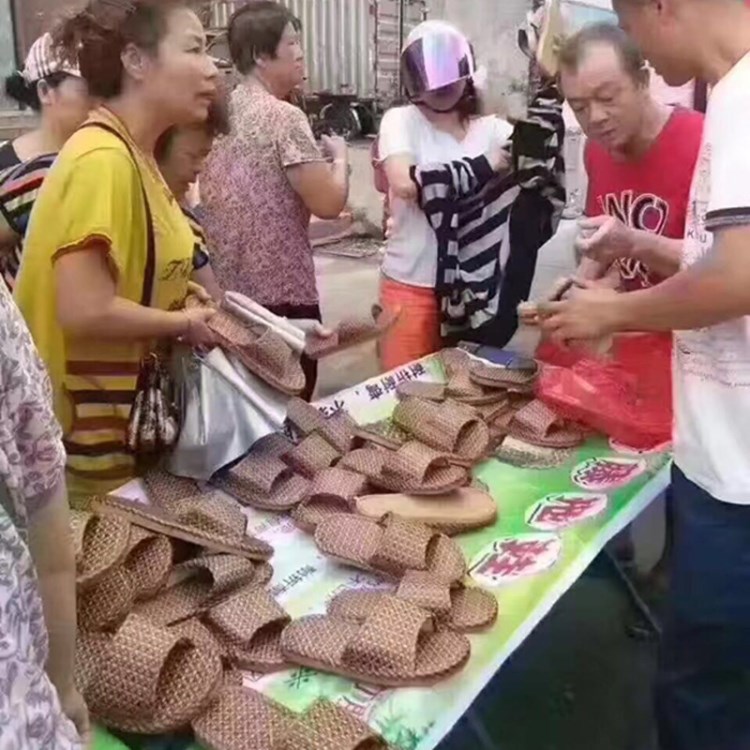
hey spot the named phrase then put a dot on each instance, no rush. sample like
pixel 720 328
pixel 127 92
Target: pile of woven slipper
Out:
pixel 173 598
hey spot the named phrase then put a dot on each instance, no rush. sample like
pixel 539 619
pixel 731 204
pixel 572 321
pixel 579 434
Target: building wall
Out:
pixel 492 26
pixel 7 50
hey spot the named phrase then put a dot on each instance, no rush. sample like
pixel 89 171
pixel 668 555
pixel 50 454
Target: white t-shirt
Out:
pixel 712 365
pixel 411 252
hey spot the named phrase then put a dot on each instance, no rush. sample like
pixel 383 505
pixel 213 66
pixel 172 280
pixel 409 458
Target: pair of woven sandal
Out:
pixel 116 565
pixel 243 719
pixel 276 474
pixel 410 635
pixel 263 351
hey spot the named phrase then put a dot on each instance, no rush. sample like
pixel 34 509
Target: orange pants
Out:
pixel 417 332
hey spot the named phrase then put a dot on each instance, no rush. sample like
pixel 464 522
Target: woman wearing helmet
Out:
pixel 441 124
pixel 457 255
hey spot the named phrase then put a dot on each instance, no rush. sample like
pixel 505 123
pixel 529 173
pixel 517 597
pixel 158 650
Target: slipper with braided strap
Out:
pixel 145 679
pixel 332 491
pixel 414 468
pixel 264 482
pixel 242 719
pixel 202 582
pixel 465 610
pixel 210 520
pixel 449 427
pixel 396 646
pixel 390 546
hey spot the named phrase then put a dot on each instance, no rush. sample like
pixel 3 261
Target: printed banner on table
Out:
pixel 551 525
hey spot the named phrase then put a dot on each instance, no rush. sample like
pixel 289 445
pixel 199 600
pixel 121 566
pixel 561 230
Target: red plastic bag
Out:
pixel 627 396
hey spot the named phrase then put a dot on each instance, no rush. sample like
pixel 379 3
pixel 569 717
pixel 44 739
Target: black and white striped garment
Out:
pixel 490 227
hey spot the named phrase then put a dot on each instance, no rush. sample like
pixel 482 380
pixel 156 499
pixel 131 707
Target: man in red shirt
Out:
pixel 640 158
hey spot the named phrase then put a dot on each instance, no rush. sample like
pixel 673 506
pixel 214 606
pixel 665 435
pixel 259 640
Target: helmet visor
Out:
pixel 435 61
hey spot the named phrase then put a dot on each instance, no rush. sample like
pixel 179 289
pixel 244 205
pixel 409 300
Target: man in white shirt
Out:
pixel 703 690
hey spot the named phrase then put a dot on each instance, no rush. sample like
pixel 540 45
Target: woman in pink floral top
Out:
pixel 261 183
pixel 40 708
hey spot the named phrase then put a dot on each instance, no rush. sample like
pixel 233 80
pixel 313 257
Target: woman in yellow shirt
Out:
pixel 87 268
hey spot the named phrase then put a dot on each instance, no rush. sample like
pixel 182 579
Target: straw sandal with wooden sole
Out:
pixel 260 349
pixel 99 544
pixel 211 521
pixel 163 488
pixel 350 333
pixel 465 610
pixel 263 482
pixel 242 719
pixel 519 381
pixel 396 646
pixel 332 491
pixel 449 427
pixel 414 468
pixel 204 581
pixel 339 430
pixel 391 546
pixel 456 512
pixel 247 627
pixel 145 679
pixel 149 562
pixel 538 425
pixel 312 455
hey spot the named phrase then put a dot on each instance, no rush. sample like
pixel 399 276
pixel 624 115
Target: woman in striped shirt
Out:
pixel 54 88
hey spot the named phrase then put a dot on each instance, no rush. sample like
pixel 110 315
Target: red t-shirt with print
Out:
pixel 651 193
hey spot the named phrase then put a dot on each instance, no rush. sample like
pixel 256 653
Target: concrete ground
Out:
pixel 579 681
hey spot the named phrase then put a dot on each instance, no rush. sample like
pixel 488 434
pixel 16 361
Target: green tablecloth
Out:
pixel 551 525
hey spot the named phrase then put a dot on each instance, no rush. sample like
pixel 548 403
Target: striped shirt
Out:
pixel 19 188
pixel 471 209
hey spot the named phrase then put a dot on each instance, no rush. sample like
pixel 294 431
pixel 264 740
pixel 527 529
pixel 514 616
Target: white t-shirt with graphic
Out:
pixel 411 252
pixel 712 365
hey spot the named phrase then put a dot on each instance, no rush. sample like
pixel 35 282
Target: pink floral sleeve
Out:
pixel 32 457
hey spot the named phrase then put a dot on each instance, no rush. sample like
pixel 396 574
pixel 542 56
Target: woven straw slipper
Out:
pixel 260 349
pixel 350 333
pixel 312 455
pixel 449 427
pixel 396 646
pixel 421 389
pixel 203 582
pixel 339 430
pixel 537 424
pixel 99 544
pixel 414 468
pixel 164 488
pixel 145 679
pixel 454 513
pixel 332 491
pixel 385 434
pixel 248 626
pixel 149 562
pixel 461 387
pixel 390 546
pixel 245 720
pixel 106 603
pixel 263 482
pixel 494 376
pixel 211 521
pixel 465 610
